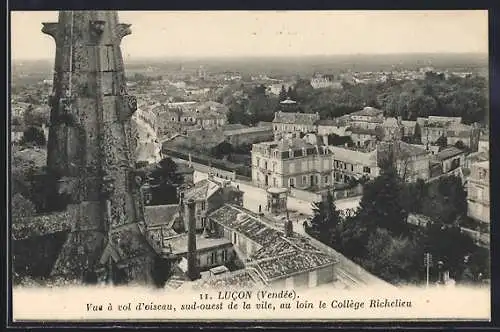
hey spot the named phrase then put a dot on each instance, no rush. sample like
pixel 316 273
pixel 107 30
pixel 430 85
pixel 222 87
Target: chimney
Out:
pixel 288 227
pixel 189 214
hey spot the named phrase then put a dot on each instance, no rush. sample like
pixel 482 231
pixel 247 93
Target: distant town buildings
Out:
pixel 325 81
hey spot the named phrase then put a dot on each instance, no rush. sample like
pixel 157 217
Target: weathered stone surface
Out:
pixel 90 143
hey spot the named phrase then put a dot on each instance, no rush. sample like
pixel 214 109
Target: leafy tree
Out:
pixel 325 222
pixel 222 149
pixel 394 259
pixel 449 245
pixel 292 93
pixel 381 204
pixel 34 135
pixel 445 200
pixel 21 207
pixel 442 142
pixel 417 135
pixel 282 94
pixel 460 145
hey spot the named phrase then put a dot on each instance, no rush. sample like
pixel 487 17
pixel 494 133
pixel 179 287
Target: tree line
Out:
pixel 435 94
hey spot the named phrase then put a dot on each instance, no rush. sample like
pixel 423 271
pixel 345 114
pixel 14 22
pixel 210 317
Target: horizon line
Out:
pixel 196 57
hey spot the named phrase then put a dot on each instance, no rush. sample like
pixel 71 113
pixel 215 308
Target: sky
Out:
pixel 274 33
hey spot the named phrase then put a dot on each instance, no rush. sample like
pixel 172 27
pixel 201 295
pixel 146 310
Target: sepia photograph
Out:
pixel 249 165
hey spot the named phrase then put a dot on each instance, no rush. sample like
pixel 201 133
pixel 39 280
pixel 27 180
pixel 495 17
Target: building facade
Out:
pixel 478 192
pixel 291 163
pixel 294 123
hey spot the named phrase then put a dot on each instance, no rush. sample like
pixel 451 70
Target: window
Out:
pixel 292 182
pixel 352 168
pixel 275 183
pixel 213 257
pixel 224 255
pixel 326 179
pixel 265 164
pixel 274 166
pixel 203 222
pixel 304 180
pixel 203 205
pixel 366 169
pixel 235 238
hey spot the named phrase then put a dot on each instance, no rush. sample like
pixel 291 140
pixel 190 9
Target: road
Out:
pixel 254 197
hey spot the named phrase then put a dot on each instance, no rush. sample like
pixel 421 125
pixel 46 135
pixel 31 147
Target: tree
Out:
pixel 445 200
pixel 282 94
pixel 21 207
pixel 292 93
pixel 449 245
pixel 34 135
pixel 394 259
pixel 325 222
pixel 417 135
pixel 381 204
pixel 460 145
pixel 442 142
pixel 222 149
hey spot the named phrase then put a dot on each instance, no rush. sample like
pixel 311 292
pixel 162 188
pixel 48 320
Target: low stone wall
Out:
pixel 305 195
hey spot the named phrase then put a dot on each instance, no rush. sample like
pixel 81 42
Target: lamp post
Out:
pixel 427 263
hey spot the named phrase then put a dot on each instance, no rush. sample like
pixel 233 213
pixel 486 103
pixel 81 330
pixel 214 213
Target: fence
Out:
pixel 305 195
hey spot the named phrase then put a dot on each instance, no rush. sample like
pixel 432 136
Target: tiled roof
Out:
pixel 278 256
pixel 390 122
pixel 242 279
pixel 448 153
pixel 178 244
pixel 355 157
pixel 298 118
pixel 401 149
pixel 160 214
pixel 202 190
pixel 362 131
pixel 368 111
pixel 247 130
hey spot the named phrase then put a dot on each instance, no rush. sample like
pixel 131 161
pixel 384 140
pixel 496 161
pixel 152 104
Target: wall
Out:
pixel 304 195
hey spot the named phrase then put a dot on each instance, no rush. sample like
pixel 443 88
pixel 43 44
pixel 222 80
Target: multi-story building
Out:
pixel 484 142
pixel 249 135
pixel 352 164
pixel 450 159
pixel 209 194
pixel 412 163
pixel 325 81
pixel 478 192
pixel 291 163
pixel 294 123
pixel 367 118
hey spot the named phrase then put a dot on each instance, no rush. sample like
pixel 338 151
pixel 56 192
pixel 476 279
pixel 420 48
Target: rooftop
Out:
pixel 356 157
pixel 157 215
pixel 247 130
pixel 202 190
pixel 368 111
pixel 278 256
pixel 297 118
pixel 178 243
pixel 242 279
pixel 447 153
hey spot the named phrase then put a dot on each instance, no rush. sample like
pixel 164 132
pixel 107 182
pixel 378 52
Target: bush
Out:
pixel 34 135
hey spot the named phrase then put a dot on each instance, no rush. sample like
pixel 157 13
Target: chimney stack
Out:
pixel 288 227
pixel 193 272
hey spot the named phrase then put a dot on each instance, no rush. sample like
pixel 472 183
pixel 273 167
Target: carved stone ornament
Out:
pixel 97 26
pixel 108 186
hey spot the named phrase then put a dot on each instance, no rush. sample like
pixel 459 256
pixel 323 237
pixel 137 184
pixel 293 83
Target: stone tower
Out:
pixel 89 151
